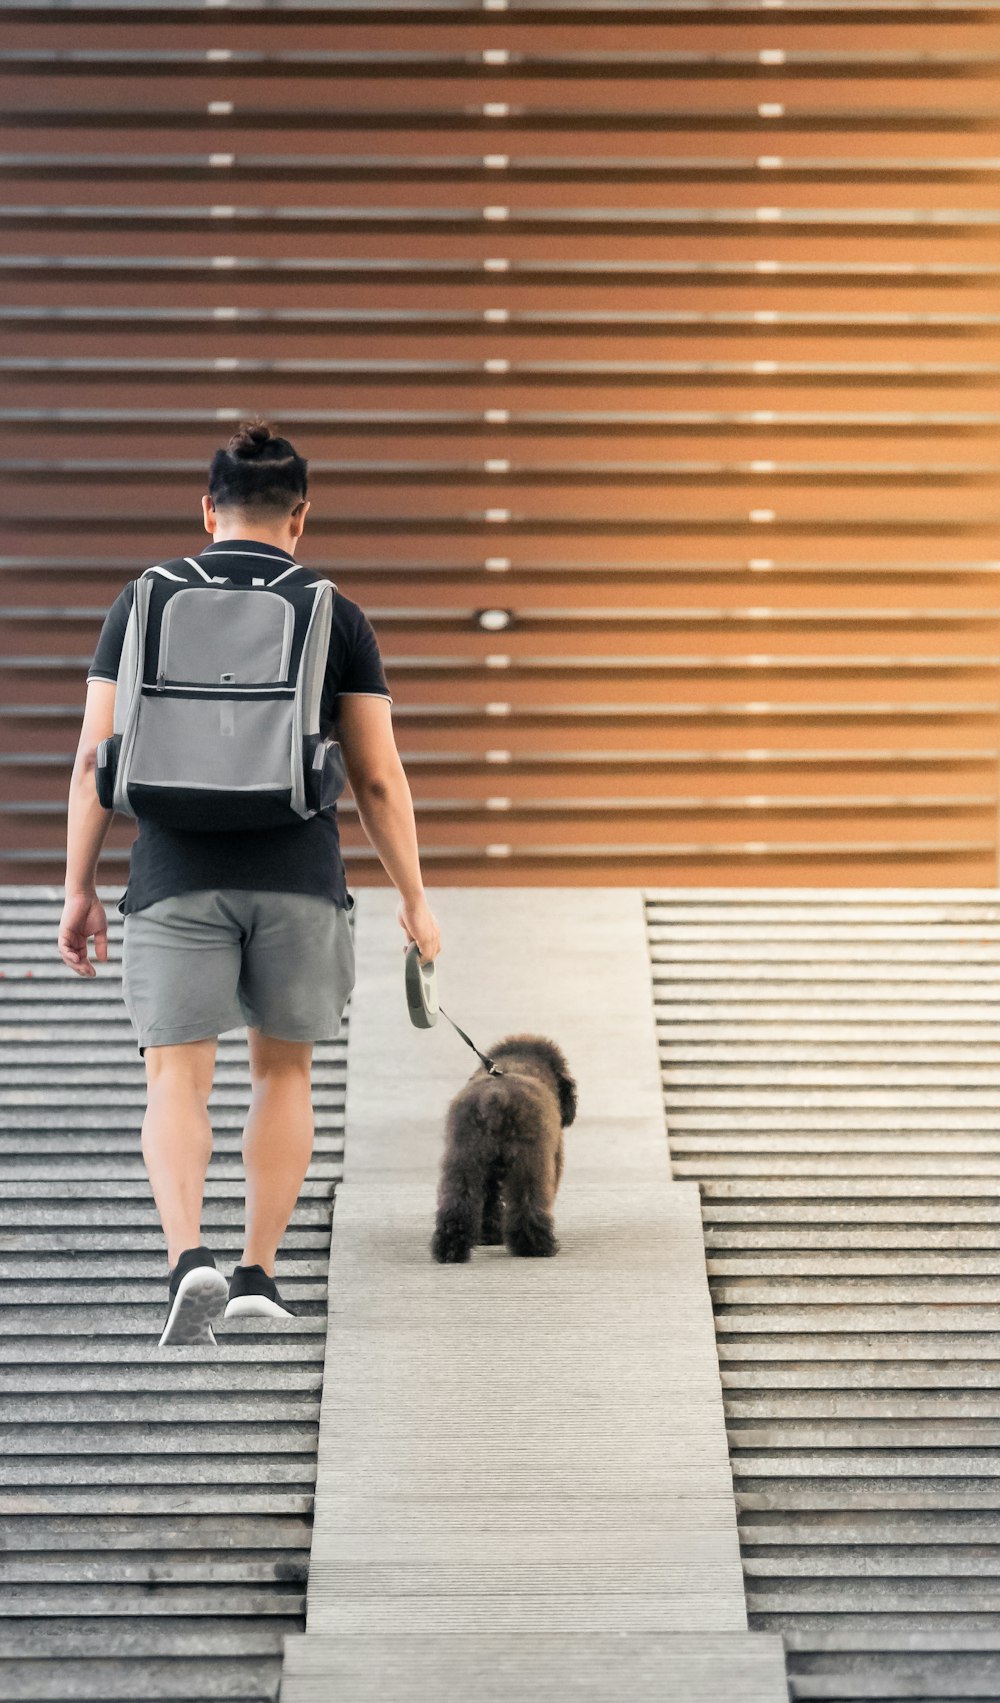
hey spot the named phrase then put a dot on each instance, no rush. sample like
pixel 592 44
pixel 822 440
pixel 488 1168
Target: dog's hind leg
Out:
pixel 529 1191
pixel 460 1208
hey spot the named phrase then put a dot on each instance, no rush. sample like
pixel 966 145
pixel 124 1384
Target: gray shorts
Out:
pixel 198 964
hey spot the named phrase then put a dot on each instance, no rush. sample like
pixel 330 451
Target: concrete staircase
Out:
pixel 831 1070
pixel 156 1509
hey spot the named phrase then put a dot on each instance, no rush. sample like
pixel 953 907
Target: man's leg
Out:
pixel 277 1141
pixel 177 1137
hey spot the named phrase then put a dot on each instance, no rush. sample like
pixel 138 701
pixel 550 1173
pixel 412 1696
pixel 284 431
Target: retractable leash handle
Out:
pixel 422 1003
pixel 421 990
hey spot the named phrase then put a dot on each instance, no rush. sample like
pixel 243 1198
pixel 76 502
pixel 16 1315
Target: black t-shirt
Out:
pixel 301 858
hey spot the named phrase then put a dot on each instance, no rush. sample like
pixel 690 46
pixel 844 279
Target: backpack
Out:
pixel 216 721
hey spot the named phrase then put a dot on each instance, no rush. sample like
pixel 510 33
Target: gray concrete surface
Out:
pixel 489 1667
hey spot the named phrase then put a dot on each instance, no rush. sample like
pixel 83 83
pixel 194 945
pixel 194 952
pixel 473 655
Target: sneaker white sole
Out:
pixel 254 1307
pixel 200 1298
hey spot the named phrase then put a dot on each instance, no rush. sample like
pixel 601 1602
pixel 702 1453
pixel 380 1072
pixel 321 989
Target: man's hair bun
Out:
pixel 250 439
pixel 258 470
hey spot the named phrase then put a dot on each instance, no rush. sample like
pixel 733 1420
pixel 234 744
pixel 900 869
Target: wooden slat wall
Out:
pixel 675 331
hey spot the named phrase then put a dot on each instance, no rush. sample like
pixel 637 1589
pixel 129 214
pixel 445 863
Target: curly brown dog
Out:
pixel 503 1154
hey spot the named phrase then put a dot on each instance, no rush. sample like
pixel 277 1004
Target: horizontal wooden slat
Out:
pixel 567 166
pixel 665 10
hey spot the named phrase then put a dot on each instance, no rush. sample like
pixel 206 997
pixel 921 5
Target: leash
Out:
pixel 491 1068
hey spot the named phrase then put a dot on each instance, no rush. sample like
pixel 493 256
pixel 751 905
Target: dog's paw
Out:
pixel 449 1249
pixel 536 1242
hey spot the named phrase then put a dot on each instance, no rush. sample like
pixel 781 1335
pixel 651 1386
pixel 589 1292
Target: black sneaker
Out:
pixel 252 1294
pixel 197 1296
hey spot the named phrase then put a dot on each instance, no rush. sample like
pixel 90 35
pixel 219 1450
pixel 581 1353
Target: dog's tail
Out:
pixel 487 1115
pixel 504 1111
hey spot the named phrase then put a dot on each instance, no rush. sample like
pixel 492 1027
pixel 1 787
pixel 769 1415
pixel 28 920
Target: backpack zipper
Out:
pixel 186 688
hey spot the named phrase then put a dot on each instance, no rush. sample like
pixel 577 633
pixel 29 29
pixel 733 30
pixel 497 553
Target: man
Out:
pixel 223 929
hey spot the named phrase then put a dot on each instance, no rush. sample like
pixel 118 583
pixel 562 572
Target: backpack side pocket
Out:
pixel 325 774
pixel 107 767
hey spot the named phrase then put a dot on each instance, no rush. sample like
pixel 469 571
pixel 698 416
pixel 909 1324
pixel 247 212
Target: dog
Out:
pixel 503 1154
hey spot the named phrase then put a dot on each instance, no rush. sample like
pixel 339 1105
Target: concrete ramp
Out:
pixel 523 1482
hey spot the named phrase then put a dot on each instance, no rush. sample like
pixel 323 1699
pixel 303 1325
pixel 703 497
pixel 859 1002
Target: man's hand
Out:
pixel 420 924
pixel 83 915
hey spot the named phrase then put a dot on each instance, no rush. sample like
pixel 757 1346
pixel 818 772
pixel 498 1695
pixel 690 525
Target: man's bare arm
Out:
pixel 88 821
pixel 385 808
pixel 381 790
pixel 87 824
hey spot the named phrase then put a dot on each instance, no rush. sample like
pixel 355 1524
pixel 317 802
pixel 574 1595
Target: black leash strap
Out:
pixel 491 1068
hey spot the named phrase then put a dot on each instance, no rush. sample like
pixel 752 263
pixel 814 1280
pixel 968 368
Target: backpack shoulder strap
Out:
pixel 168 570
pixel 209 579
